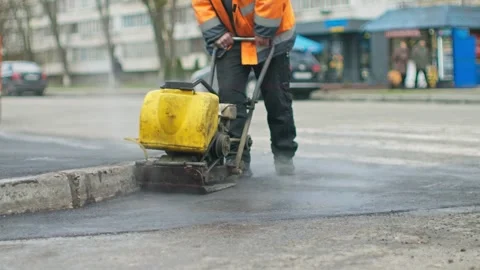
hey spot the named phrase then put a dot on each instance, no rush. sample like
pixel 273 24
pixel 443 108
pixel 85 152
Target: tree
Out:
pixel 22 15
pixel 50 7
pixel 103 7
pixel 4 17
pixel 163 31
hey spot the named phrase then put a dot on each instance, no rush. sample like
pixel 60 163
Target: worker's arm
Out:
pixel 268 16
pixel 211 26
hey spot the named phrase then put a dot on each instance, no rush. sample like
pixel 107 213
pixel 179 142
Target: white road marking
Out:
pixel 384 134
pixel 413 128
pixel 438 142
pixel 46 159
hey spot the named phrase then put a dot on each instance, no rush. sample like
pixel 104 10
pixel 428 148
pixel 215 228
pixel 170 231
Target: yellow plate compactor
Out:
pixel 191 127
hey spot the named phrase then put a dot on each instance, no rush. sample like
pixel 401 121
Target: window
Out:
pixel 85 3
pixel 48 56
pixel 26 67
pixel 182 47
pixel 89 27
pixel 135 20
pixel 89 54
pixel 40 34
pixel 139 50
pixel 6 68
pixel 70 28
pixel 183 15
pixel 62 6
pixel 309 4
pixel 198 45
pixel 72 5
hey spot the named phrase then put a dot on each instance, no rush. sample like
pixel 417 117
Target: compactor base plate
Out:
pixel 183 176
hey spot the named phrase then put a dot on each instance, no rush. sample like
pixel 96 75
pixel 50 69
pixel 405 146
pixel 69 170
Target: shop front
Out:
pixel 476 34
pixel 438 43
pixel 450 44
pixel 346 50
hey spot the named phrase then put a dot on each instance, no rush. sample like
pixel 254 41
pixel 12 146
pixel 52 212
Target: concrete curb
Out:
pixel 66 189
pixel 404 99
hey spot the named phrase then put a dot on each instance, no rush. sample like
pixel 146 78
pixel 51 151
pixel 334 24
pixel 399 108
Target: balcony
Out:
pixel 427 3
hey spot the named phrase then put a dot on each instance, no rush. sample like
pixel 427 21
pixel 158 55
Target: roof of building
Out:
pixel 426 17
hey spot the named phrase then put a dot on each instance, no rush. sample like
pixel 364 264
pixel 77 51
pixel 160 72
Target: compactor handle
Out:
pixel 243 39
pixel 214 56
pixel 236 39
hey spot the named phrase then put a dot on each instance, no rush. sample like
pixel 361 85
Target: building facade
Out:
pixel 450 30
pixel 131 32
pixel 353 55
pixel 337 24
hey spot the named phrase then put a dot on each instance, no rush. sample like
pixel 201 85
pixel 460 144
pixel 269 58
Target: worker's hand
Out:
pixel 261 41
pixel 225 41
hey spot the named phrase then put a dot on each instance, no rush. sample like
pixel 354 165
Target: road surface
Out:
pixel 30 154
pixel 354 159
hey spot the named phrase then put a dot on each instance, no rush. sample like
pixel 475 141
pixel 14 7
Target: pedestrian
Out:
pixel 271 22
pixel 400 60
pixel 420 57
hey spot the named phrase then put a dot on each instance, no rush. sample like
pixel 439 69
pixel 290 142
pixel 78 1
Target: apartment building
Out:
pixel 132 34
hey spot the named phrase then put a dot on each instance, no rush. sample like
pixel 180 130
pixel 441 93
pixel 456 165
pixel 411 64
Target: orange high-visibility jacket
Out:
pixel 265 18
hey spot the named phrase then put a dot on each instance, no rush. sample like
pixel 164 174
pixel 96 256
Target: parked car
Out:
pixel 306 75
pixel 19 77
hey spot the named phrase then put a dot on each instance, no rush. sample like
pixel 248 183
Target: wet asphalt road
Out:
pixel 23 155
pixel 353 159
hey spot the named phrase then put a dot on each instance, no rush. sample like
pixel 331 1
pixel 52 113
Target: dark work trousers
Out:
pixel 424 71
pixel 232 79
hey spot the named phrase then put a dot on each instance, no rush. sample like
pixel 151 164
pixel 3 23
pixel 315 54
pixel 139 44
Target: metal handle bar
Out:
pixel 252 101
pixel 214 55
pixel 243 38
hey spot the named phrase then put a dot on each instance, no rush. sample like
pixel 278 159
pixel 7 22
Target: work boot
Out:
pixel 284 166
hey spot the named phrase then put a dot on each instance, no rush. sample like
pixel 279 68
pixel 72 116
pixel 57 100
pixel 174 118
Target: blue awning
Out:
pixel 304 44
pixel 426 17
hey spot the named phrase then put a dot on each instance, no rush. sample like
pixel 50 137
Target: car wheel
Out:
pixel 11 91
pixel 302 95
pixel 4 91
pixel 39 92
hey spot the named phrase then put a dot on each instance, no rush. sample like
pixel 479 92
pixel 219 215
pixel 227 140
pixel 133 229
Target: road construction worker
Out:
pixel 271 22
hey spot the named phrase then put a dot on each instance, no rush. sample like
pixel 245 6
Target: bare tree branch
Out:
pixel 4 17
pixel 23 25
pixel 163 36
pixel 103 8
pixel 51 10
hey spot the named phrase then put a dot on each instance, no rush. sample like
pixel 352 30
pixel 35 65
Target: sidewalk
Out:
pixel 462 96
pixel 89 91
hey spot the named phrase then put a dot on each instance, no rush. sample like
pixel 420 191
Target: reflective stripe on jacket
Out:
pixel 265 18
